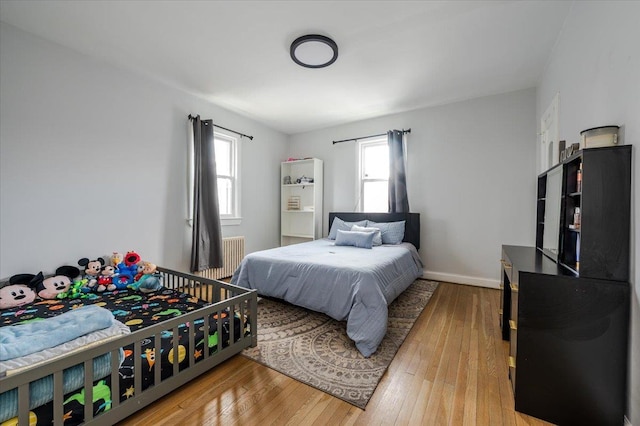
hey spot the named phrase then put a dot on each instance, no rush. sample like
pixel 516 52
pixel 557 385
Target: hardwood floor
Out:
pixel 451 370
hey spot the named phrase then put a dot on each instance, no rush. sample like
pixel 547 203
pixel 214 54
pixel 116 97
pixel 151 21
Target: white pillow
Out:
pixel 342 225
pixel 377 237
pixel 355 239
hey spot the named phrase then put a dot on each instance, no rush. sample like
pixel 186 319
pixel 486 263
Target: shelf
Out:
pixel 298 161
pixel 604 213
pixel 298 235
pixel 300 203
pixel 571 268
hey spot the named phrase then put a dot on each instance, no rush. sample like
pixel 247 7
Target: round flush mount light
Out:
pixel 314 51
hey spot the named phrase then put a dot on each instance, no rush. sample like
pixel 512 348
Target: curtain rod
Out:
pixel 191 117
pixel 367 137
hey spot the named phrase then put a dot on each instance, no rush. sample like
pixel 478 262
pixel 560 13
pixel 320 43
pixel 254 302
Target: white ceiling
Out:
pixel 394 56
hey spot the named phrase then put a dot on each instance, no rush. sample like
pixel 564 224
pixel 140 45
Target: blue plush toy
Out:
pixel 147 284
pixel 126 270
pixel 148 280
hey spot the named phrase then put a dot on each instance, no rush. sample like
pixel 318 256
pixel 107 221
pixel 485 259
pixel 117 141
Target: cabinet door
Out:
pixel 571 349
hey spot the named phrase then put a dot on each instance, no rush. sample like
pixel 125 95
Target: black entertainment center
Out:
pixel 565 302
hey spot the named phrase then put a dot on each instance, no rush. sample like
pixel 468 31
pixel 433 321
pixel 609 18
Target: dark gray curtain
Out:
pixel 398 200
pixel 206 246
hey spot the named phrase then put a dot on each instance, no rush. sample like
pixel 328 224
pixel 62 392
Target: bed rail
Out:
pixel 225 298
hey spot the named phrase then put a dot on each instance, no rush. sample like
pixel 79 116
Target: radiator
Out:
pixel 232 253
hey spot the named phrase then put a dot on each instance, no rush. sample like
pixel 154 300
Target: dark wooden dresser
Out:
pixel 568 340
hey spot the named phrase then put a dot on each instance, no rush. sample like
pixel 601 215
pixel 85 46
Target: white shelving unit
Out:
pixel 301 203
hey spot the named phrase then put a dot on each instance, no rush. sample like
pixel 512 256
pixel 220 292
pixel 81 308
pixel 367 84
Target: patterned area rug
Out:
pixel 315 349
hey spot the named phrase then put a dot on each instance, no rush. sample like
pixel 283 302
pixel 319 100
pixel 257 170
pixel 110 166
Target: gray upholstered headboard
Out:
pixel 411 227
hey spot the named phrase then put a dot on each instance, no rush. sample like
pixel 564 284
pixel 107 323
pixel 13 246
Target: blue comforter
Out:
pixel 344 282
pixel 24 339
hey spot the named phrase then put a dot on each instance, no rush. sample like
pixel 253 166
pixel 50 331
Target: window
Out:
pixel 373 179
pixel 226 148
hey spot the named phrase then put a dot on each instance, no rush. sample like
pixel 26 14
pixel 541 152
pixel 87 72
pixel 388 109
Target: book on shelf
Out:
pixel 578 252
pixel 579 179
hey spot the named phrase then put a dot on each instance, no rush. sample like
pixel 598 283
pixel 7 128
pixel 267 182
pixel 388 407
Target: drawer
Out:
pixel 507 267
pixel 504 312
pixel 501 311
pixel 513 339
pixel 512 373
pixel 514 301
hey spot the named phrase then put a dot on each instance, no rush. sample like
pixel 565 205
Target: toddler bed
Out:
pixel 174 337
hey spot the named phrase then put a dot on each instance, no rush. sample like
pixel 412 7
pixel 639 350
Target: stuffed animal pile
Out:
pixel 126 272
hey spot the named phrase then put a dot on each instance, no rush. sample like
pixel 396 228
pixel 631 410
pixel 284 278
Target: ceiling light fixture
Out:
pixel 314 51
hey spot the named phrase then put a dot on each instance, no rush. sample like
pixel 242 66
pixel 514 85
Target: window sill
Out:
pixel 230 221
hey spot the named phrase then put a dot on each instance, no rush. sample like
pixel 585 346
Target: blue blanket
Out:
pixel 24 339
pixel 346 283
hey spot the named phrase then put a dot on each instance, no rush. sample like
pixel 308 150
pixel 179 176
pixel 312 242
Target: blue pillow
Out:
pixel 339 224
pixel 355 239
pixel 377 235
pixel 392 232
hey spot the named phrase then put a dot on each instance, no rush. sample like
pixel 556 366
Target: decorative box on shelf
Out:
pixel 293 203
pixel 599 136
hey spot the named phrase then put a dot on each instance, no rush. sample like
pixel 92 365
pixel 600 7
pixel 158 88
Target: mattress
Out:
pixel 347 283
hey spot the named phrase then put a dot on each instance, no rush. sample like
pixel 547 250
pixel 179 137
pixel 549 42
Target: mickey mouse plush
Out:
pixel 105 279
pixel 91 269
pixel 49 288
pixel 17 291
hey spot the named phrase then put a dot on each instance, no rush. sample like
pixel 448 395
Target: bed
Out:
pixel 347 283
pixel 174 336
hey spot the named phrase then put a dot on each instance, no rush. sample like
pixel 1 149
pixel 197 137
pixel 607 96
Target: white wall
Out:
pixel 93 159
pixel 470 172
pixel 596 69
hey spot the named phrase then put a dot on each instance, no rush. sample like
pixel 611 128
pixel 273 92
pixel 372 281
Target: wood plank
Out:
pixel 450 370
pixel 310 411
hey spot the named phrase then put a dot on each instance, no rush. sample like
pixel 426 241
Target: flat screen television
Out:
pixel 552 204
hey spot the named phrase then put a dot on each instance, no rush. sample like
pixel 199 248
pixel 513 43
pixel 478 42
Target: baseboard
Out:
pixel 627 422
pixel 460 279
